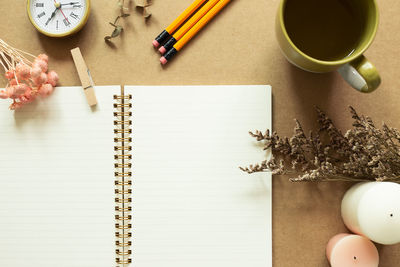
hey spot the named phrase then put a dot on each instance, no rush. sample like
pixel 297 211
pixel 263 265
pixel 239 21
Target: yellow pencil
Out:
pixel 164 35
pixel 193 31
pixel 187 26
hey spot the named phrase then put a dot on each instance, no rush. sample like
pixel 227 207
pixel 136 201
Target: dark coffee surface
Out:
pixel 324 29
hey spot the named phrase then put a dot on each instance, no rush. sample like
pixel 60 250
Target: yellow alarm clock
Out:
pixel 58 18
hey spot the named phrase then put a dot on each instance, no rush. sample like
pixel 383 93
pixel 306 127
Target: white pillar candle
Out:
pixel 372 209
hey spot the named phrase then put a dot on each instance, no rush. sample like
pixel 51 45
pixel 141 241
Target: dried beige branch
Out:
pixel 363 153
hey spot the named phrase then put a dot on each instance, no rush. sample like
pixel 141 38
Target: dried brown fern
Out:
pixel 364 153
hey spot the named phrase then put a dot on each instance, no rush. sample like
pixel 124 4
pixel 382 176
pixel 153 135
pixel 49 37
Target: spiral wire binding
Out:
pixel 123 178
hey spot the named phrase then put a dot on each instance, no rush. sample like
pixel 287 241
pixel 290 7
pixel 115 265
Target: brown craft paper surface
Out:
pixel 237 47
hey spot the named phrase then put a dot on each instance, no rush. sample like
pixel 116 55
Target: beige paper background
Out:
pixel 238 47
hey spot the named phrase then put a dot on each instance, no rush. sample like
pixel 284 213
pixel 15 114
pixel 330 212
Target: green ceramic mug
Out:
pixel 327 35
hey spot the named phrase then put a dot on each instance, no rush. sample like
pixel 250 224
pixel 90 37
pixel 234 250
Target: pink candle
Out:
pixel 345 250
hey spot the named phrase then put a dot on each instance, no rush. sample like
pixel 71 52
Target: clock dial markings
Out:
pixel 66 22
pixel 41 14
pixel 56 16
pixel 73 15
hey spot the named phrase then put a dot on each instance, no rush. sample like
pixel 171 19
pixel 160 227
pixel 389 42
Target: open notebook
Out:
pixel 150 176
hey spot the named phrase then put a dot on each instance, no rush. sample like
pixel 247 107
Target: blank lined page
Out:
pixel 56 181
pixel 192 205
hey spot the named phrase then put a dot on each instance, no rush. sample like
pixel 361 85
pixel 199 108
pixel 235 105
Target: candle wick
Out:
pixel 391 215
pixel 355 258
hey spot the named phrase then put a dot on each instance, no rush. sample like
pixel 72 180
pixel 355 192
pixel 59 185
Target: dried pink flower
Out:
pixel 15 105
pixel 41 64
pixel 35 72
pixel 11 92
pixel 3 94
pixel 23 71
pixel 46 89
pixel 9 74
pixel 25 100
pixel 43 57
pixel 13 82
pixel 21 89
pixel 27 97
pixel 41 79
pixel 28 92
pixel 26 78
pixel 52 78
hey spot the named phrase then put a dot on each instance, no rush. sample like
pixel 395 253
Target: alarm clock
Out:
pixel 58 18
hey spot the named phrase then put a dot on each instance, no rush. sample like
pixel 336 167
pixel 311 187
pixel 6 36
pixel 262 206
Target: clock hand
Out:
pixel 64 15
pixel 59 7
pixel 71 3
pixel 52 16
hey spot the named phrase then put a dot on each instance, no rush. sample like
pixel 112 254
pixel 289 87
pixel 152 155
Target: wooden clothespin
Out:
pixel 84 76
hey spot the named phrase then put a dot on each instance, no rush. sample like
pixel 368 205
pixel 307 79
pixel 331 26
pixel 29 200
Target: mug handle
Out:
pixel 361 74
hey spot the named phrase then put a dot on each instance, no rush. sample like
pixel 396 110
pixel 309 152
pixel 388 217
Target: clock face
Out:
pixel 58 17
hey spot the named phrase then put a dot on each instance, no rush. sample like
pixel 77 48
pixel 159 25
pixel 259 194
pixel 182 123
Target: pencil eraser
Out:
pixel 162 50
pixel 163 60
pixel 156 44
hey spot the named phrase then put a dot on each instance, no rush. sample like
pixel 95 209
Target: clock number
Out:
pixel 66 22
pixel 41 15
pixel 73 15
pixel 39 5
pixel 57 25
pixel 78 6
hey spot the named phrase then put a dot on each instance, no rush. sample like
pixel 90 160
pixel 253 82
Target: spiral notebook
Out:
pixel 147 178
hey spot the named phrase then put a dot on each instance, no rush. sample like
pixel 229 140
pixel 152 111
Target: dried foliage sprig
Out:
pixel 124 12
pixel 118 28
pixel 143 5
pixel 27 76
pixel 364 153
